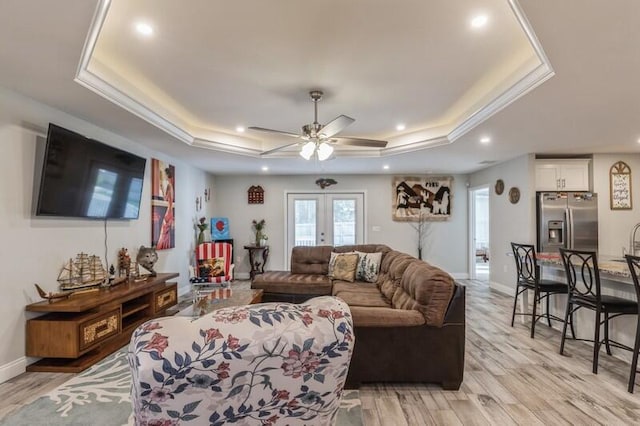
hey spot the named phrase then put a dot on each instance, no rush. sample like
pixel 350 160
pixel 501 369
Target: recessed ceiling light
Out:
pixel 144 28
pixel 638 140
pixel 400 127
pixel 479 21
pixel 386 167
pixel 265 168
pixel 240 129
pixel 485 139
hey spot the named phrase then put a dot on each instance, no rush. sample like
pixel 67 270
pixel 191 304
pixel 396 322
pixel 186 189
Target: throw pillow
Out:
pixel 345 267
pixel 332 261
pixel 368 266
pixel 213 267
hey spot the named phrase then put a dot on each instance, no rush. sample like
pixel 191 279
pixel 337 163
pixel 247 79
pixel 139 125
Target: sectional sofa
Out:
pixel 409 324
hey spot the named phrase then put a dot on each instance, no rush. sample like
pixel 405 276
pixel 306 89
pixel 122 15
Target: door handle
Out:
pixel 558 183
pixel 563 183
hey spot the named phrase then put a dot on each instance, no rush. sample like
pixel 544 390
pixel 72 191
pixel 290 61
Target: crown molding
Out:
pixel 533 79
pixel 415 146
pixel 224 147
pixel 101 87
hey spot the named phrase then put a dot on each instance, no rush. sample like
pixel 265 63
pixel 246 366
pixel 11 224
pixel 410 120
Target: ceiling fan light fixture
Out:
pixel 307 150
pixel 324 151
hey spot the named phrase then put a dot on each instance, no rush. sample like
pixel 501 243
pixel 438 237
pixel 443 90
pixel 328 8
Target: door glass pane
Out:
pixel 305 222
pixel 344 222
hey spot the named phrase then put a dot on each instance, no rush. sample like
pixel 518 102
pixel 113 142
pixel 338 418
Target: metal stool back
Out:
pixel 583 276
pixel 528 278
pixel 634 266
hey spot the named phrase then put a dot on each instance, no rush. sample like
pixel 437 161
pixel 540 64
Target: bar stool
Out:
pixel 634 267
pixel 583 277
pixel 529 279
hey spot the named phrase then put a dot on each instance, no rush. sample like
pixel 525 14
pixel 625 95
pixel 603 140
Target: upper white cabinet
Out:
pixel 562 175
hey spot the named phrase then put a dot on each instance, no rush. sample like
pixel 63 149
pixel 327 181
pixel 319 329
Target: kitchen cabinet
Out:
pixel 562 175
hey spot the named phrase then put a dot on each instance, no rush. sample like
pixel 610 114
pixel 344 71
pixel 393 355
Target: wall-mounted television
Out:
pixel 82 177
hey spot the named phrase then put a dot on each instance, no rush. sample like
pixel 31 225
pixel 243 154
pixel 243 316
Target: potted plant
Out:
pixel 258 226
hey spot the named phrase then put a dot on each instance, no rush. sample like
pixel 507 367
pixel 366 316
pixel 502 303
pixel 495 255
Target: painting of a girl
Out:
pixel 162 205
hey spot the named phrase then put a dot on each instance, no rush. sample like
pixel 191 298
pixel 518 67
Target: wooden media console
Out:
pixel 77 332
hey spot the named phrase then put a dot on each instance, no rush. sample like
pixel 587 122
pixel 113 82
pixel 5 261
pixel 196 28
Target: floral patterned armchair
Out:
pixel 265 364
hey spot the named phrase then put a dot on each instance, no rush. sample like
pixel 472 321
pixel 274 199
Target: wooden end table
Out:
pixel 258 256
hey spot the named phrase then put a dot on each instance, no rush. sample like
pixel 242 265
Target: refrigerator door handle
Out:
pixel 567 229
pixel 572 243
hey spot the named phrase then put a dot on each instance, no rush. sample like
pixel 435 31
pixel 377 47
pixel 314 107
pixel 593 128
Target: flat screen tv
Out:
pixel 82 177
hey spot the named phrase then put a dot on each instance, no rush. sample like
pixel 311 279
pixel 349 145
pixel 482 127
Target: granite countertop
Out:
pixel 610 266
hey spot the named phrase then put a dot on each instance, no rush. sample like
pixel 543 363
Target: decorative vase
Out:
pixel 258 238
pixel 263 242
pixel 201 237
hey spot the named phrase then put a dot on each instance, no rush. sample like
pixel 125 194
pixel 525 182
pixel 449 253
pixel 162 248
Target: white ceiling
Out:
pixel 213 65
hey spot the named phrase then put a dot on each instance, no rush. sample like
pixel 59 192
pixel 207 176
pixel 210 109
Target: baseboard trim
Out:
pixel 460 275
pixel 13 369
pixel 501 288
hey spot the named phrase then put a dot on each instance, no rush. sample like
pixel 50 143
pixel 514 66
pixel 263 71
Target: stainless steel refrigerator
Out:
pixel 567 219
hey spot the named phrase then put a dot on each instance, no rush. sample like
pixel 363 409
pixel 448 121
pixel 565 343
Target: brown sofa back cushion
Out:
pixel 310 260
pixel 425 288
pixel 391 270
pixel 365 248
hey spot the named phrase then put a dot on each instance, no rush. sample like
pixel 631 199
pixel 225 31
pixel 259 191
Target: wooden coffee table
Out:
pixel 204 304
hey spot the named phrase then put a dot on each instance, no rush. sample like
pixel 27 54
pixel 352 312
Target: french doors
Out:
pixel 333 218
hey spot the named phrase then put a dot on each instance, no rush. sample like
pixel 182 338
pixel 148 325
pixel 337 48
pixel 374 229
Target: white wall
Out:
pixel 508 222
pixel 614 226
pixel 33 248
pixel 446 241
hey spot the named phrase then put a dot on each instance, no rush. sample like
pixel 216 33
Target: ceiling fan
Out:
pixel 317 138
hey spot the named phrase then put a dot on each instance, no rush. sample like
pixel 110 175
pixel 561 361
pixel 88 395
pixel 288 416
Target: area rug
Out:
pixel 99 396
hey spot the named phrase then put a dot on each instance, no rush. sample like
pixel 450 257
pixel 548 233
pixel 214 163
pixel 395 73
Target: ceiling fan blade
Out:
pixel 271 151
pixel 371 143
pixel 280 132
pixel 335 126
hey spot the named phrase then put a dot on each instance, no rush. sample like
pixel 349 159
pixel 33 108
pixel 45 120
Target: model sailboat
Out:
pixel 83 271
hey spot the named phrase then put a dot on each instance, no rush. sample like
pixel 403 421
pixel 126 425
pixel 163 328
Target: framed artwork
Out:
pixel 220 228
pixel 620 186
pixel 163 184
pixel 427 196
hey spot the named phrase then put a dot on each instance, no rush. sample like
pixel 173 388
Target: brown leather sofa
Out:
pixel 409 324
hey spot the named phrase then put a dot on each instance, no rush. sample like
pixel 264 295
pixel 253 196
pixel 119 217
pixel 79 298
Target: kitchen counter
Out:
pixel 612 268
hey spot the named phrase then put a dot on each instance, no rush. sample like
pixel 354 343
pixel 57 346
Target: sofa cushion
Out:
pixel 357 298
pixel 365 248
pixel 310 260
pixel 345 267
pixel 368 266
pixel 356 286
pixel 288 283
pixel 427 289
pixel 395 263
pixel 385 317
pixel 332 261
pixel 388 285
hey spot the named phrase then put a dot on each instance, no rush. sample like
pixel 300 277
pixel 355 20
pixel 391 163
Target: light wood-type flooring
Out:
pixel 509 379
